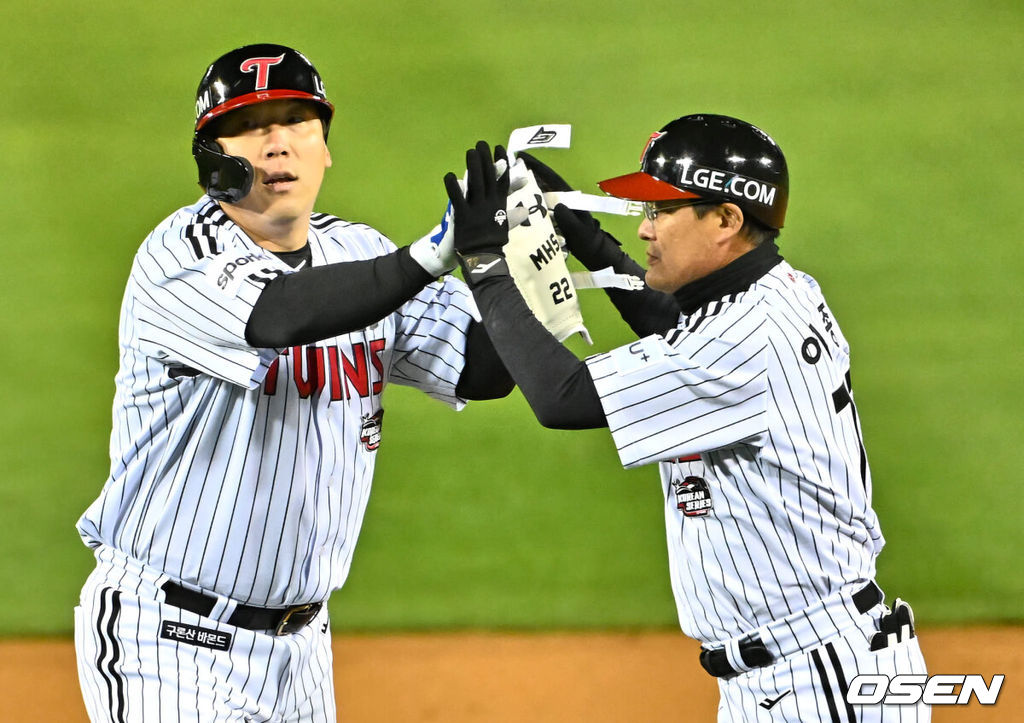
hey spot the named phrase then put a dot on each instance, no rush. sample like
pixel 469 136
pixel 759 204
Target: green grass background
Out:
pixel 902 123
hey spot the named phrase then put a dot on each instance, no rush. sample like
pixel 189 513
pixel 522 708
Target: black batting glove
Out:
pixel 586 240
pixel 479 218
pixel 547 179
pixel 583 235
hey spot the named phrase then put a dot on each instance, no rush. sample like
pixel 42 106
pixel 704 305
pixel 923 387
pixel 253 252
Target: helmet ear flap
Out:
pixel 225 178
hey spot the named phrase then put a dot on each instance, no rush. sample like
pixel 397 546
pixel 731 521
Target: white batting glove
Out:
pixel 435 252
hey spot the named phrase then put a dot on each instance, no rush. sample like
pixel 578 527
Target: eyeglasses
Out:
pixel 653 208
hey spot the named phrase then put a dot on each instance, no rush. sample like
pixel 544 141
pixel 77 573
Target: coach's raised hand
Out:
pixel 584 237
pixel 547 178
pixel 479 217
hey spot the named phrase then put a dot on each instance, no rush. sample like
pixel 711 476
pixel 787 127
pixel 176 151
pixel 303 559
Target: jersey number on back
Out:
pixel 843 398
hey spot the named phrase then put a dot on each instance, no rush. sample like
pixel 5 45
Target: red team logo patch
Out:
pixel 693 496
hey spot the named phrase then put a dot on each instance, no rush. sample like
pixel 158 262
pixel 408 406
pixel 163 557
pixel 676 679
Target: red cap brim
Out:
pixel 642 186
pixel 260 96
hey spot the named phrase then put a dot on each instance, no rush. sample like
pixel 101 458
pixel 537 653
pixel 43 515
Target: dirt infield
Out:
pixel 506 678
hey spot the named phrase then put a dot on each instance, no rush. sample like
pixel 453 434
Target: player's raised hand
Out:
pixel 480 221
pixel 435 252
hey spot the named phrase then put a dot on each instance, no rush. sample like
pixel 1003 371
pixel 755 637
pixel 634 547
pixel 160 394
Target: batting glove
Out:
pixel 585 239
pixel 547 179
pixel 435 252
pixel 583 235
pixel 479 217
pixel 895 628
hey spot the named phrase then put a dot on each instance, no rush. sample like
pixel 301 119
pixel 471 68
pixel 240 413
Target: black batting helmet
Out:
pixel 246 76
pixel 715 157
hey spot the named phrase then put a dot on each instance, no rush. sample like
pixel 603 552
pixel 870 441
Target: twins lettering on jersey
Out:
pixel 344 374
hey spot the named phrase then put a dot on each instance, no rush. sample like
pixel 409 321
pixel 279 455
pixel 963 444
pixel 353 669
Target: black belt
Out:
pixel 283 621
pixel 756 655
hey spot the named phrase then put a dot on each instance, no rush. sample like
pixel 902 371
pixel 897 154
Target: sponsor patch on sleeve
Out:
pixel 230 268
pixel 638 355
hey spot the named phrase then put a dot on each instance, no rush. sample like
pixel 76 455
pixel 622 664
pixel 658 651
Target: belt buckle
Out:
pixel 282 625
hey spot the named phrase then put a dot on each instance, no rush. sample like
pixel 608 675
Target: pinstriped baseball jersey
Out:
pixel 747 408
pixel 244 471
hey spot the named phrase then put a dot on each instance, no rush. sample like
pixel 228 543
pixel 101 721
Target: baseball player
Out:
pixel 256 339
pixel 739 388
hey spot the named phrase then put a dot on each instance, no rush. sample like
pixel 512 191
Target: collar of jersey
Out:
pixel 730 279
pixel 296 258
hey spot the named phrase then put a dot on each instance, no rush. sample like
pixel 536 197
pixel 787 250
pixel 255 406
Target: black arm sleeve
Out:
pixel 324 301
pixel 556 384
pixel 483 376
